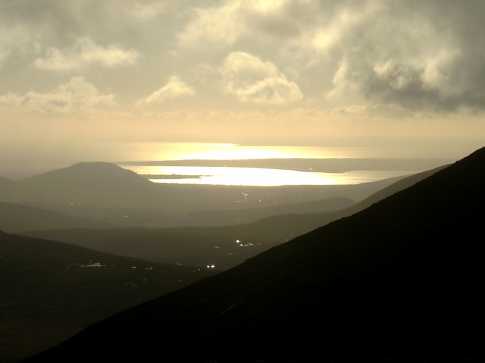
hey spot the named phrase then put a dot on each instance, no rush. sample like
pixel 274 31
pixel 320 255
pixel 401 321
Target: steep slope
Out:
pixel 288 226
pixel 403 277
pixel 51 290
pixel 213 245
pixel 19 218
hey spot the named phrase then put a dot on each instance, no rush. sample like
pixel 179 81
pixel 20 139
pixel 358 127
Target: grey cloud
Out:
pixel 83 53
pixel 55 27
pixel 419 54
pixel 174 89
pixel 76 95
pixel 253 80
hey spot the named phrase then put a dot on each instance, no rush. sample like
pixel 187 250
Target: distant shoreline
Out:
pixel 301 164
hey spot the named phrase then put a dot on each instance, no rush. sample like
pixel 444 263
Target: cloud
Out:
pixel 146 11
pixel 172 90
pixel 344 21
pixel 86 52
pixel 13 40
pixel 254 81
pixel 216 25
pixel 226 23
pixel 417 55
pixel 11 100
pixel 76 95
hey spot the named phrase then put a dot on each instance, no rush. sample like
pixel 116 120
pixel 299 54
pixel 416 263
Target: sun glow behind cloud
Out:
pixel 227 151
pixel 238 152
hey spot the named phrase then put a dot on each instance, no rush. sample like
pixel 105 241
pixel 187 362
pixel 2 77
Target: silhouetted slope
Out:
pixel 49 291
pixel 401 277
pixel 213 245
pixel 86 184
pixel 396 187
pixel 292 225
pixel 100 173
pixel 20 218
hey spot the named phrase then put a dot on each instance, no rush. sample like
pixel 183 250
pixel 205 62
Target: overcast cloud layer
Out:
pixel 186 69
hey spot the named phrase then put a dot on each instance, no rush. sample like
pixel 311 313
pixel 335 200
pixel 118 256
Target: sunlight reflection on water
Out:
pixel 257 176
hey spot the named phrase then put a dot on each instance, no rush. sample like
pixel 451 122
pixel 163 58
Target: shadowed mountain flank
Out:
pixel 90 184
pixel 115 196
pixel 51 290
pixel 4 181
pixel 218 245
pixel 242 216
pixel 400 277
pixel 5 185
pixel 20 218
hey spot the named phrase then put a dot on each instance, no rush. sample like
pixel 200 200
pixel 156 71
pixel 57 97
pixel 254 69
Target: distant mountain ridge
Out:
pixel 399 279
pixel 20 218
pixel 202 245
pixel 5 184
pixel 329 165
pixel 4 181
pixel 244 216
pixel 115 196
pixel 86 184
pixel 98 172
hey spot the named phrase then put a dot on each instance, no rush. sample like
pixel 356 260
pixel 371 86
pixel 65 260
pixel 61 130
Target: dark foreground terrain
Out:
pixel 50 290
pixel 402 278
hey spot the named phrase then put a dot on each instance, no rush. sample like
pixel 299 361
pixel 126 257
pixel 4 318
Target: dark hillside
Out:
pixel 400 278
pixel 50 290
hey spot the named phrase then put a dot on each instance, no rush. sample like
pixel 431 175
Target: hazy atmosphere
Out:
pixel 400 76
pixel 242 181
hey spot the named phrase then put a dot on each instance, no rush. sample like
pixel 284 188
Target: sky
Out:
pixel 86 79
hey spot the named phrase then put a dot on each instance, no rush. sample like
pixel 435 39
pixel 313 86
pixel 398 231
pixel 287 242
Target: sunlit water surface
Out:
pixel 251 176
pixel 257 176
